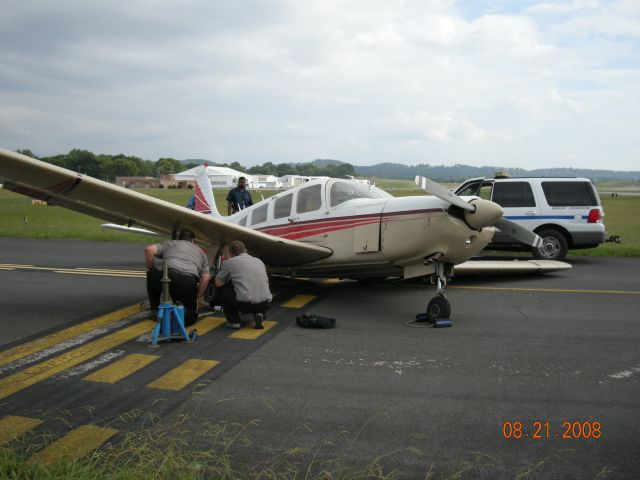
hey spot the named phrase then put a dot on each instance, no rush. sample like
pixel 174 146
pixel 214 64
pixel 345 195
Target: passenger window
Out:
pixel 282 206
pixel 569 194
pixel 513 194
pixel 243 221
pixel 309 199
pixel 259 215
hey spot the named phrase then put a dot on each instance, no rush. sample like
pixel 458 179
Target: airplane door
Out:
pixel 366 232
pixel 310 215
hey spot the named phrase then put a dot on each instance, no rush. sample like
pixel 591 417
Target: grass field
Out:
pixel 20 218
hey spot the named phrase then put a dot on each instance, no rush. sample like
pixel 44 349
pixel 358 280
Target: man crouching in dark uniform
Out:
pixel 188 271
pixel 243 285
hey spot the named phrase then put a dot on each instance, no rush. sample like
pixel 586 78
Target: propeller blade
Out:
pixel 443 194
pixel 519 233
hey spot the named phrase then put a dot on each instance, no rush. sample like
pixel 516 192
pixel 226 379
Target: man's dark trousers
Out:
pixel 183 288
pixel 226 295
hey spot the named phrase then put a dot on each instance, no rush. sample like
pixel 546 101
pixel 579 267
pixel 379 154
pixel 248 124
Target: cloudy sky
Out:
pixel 507 83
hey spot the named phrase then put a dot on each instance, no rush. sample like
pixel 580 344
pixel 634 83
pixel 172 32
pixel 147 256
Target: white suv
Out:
pixel 565 212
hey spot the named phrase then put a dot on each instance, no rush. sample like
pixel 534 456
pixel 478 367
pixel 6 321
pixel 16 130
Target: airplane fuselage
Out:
pixel 376 236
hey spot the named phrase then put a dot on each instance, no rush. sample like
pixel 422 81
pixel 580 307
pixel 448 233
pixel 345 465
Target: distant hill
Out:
pixel 458 173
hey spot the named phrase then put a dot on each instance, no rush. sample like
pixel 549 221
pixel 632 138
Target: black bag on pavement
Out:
pixel 315 321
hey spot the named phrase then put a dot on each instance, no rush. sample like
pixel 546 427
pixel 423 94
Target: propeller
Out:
pixel 479 213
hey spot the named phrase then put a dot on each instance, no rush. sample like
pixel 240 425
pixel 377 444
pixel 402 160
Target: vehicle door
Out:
pixel 519 202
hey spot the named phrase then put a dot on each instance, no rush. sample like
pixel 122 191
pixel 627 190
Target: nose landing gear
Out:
pixel 439 307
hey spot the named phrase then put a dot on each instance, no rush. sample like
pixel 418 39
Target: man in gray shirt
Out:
pixel 243 285
pixel 188 271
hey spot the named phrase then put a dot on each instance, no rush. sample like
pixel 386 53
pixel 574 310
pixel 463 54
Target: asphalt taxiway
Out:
pixel 557 353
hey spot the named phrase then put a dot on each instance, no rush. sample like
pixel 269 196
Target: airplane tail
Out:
pixel 204 200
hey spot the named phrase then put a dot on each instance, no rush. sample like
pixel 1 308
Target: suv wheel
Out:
pixel 554 246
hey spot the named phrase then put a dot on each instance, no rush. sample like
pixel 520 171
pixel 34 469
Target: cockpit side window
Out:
pixel 259 215
pixel 341 192
pixel 309 199
pixel 282 206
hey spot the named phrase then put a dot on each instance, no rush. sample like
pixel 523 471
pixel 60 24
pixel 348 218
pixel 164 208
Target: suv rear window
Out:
pixel 569 194
pixel 513 194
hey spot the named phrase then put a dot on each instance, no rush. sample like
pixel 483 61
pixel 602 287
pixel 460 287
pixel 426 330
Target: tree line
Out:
pixel 108 167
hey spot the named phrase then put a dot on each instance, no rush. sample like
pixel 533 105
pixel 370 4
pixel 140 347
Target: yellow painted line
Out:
pixel 555 290
pixel 122 368
pixel 112 270
pixel 250 333
pixel 299 301
pixel 74 445
pixel 26 349
pixel 78 270
pixel 207 324
pixel 331 281
pixel 11 427
pixel 183 375
pixel 30 376
pixel 75 272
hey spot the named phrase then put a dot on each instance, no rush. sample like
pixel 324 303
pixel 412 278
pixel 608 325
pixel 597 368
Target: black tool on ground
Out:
pixel 438 323
pixel 315 321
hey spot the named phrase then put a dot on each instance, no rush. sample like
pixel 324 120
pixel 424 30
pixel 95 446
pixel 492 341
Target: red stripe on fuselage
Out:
pixel 309 228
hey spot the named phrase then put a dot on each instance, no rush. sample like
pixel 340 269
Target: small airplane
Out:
pixel 323 228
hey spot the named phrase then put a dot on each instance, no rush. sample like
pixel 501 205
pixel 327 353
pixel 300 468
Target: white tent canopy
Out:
pixel 218 176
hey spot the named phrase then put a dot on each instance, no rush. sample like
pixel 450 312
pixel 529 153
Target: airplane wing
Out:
pixel 104 200
pixel 472 267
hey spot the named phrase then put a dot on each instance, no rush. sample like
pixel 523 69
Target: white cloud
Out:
pixel 364 81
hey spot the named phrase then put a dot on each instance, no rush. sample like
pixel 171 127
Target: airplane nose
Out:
pixel 486 213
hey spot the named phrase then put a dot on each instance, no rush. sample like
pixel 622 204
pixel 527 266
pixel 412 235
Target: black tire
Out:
pixel 438 307
pixel 554 246
pixel 210 294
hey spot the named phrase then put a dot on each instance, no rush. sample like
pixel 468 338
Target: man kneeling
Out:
pixel 243 285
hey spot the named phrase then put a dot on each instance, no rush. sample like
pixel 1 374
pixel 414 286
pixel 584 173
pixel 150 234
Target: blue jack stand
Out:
pixel 171 322
pixel 170 317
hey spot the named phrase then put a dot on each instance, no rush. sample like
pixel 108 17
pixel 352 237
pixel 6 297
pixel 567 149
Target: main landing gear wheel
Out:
pixel 438 307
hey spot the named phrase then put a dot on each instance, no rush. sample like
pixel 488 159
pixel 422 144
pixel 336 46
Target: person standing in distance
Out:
pixel 238 197
pixel 188 271
pixel 243 285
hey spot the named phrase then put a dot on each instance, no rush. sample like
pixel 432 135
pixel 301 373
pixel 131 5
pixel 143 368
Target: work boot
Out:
pixel 257 320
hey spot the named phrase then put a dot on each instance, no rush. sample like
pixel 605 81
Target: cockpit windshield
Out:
pixel 341 192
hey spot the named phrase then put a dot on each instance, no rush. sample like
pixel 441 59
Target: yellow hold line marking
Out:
pixel 183 375
pixel 38 344
pixel 74 445
pixel 558 290
pixel 100 274
pixel 298 301
pixel 250 333
pixel 30 376
pixel 121 368
pixel 206 324
pixel 78 270
pixel 12 427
